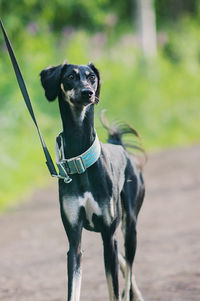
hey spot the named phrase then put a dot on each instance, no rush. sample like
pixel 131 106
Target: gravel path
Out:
pixel 33 245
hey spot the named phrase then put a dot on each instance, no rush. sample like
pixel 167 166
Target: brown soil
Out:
pixel 33 245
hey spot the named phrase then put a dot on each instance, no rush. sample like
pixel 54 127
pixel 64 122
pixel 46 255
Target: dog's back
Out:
pixel 118 155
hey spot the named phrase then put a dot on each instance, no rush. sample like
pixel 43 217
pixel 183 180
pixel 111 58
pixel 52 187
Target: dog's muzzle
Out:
pixel 87 96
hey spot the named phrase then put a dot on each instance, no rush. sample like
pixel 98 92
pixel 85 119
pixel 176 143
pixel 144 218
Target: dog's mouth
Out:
pixel 82 103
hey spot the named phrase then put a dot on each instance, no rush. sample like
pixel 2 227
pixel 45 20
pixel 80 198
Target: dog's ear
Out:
pixel 50 79
pixel 96 71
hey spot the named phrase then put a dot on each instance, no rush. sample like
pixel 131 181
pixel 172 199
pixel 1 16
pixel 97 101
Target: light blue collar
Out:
pixel 77 164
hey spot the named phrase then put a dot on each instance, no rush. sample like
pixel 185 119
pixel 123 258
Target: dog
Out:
pixel 98 197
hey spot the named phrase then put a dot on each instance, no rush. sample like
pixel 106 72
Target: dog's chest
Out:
pixel 73 205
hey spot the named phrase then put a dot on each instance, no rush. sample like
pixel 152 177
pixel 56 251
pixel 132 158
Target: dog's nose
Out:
pixel 87 93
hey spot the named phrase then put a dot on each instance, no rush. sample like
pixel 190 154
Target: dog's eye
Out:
pixel 92 77
pixel 70 76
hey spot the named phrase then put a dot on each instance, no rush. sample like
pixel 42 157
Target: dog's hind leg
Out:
pixel 130 246
pixel 129 203
pixel 136 292
pixel 122 264
pixel 111 265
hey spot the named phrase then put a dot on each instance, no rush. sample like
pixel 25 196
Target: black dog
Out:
pixel 99 195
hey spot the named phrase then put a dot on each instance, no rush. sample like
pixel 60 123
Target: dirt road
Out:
pixel 33 245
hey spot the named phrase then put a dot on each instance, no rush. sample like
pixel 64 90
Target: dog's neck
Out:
pixel 78 128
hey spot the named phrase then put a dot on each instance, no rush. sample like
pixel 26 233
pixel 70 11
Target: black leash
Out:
pixel 26 97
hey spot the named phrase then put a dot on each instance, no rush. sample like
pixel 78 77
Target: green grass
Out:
pixel 160 99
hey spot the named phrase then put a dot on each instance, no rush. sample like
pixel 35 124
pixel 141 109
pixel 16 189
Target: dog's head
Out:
pixel 79 84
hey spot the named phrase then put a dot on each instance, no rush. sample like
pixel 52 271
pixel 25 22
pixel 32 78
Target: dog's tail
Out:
pixel 132 143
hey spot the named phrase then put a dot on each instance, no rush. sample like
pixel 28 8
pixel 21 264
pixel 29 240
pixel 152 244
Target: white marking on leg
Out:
pixel 129 279
pixel 127 283
pixel 137 293
pixel 112 296
pixel 112 208
pixel 122 264
pixel 76 286
pixel 109 212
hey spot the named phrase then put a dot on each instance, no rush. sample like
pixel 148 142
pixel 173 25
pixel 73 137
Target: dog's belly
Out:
pixel 74 205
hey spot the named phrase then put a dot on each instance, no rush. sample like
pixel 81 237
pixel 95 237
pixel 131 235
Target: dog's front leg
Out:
pixel 74 273
pixel 73 225
pixel 74 264
pixel 111 265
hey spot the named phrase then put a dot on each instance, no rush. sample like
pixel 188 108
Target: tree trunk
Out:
pixel 147 27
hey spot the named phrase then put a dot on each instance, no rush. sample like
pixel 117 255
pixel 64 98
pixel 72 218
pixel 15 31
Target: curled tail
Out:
pixel 132 143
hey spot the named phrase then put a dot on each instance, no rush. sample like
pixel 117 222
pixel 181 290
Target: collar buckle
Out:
pixel 79 165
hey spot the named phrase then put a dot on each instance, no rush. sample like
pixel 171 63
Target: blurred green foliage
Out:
pixel 89 14
pixel 159 98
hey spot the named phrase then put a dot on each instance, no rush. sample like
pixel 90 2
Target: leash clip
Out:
pixel 66 179
pixel 63 173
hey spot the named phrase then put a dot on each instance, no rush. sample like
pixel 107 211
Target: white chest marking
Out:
pixel 72 206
